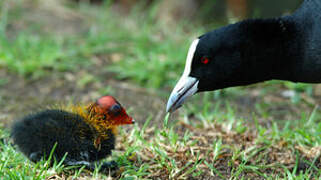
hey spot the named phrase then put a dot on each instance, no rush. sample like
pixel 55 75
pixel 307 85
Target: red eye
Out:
pixel 205 60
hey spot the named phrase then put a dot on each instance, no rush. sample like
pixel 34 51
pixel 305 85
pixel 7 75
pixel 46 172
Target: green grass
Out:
pixel 28 53
pixel 210 137
pixel 210 144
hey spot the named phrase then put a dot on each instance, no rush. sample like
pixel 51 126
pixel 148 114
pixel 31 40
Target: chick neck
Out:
pixel 99 122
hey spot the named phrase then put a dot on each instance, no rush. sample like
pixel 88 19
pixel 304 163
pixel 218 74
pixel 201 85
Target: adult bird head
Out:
pixel 244 53
pixel 207 67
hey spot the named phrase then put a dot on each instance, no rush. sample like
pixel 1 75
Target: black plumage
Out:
pixel 36 135
pixel 255 50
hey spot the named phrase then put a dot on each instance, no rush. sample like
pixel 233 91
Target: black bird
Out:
pixel 85 133
pixel 254 50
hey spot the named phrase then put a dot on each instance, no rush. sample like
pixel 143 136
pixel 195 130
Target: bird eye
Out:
pixel 205 60
pixel 115 109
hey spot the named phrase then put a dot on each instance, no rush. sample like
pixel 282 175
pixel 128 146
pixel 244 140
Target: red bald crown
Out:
pixel 106 104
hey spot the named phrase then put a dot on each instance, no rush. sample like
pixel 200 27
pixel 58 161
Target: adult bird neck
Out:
pixel 270 49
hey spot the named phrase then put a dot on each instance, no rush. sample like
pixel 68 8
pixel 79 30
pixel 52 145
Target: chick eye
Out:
pixel 205 60
pixel 115 109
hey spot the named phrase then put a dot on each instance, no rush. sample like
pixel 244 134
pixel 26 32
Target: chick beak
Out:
pixel 186 87
pixel 127 120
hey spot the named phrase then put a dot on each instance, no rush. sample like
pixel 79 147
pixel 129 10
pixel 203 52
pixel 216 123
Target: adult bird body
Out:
pixel 254 50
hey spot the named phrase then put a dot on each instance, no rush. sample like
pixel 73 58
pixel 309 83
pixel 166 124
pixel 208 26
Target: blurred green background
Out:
pixel 44 36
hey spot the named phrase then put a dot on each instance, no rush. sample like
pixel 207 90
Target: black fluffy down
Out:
pixel 37 134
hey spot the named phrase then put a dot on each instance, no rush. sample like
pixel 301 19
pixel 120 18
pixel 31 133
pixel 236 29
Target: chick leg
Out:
pixel 77 163
pixel 35 156
pixel 110 165
pixel 105 167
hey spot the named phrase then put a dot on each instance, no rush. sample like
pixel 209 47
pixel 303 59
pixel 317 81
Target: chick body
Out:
pixel 74 133
pixel 37 134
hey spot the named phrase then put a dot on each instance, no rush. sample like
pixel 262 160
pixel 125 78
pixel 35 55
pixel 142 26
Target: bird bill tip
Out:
pixel 172 103
pixel 186 87
pixel 133 121
pixel 130 120
pixel 125 120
